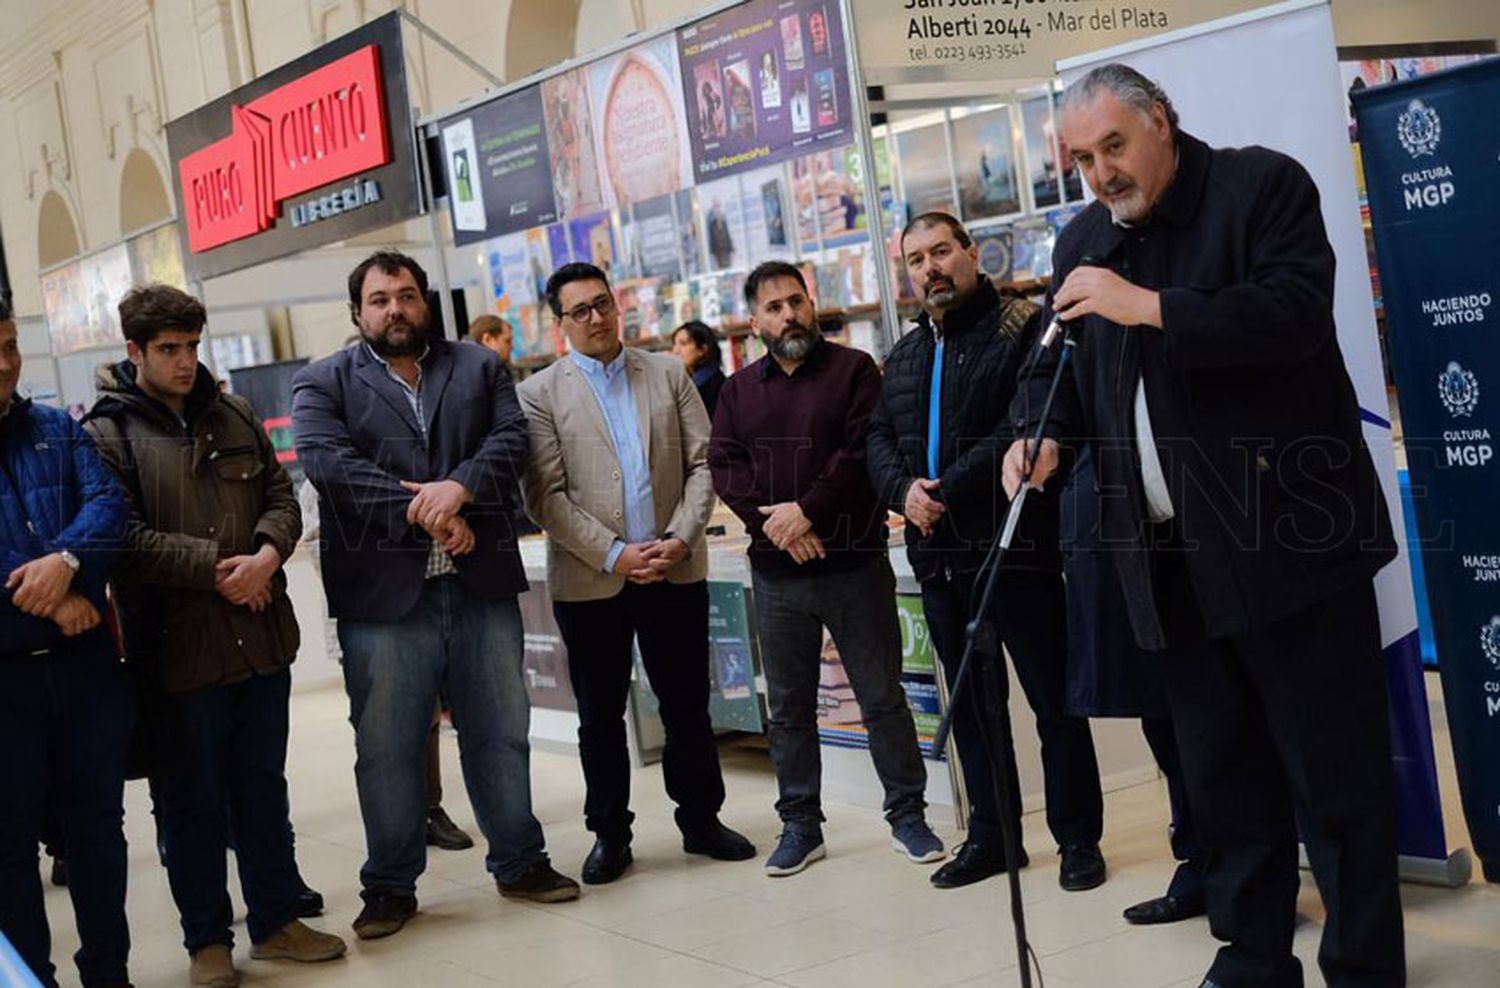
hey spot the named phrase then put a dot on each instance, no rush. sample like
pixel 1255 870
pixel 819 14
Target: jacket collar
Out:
pixel 14 414
pixel 1179 204
pixel 437 369
pixel 122 388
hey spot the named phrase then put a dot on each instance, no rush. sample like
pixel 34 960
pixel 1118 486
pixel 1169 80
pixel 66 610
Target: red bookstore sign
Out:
pixel 321 127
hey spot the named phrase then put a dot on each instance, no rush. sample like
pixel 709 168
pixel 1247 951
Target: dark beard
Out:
pixel 416 342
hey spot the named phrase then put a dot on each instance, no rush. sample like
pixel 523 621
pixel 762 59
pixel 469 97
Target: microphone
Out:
pixel 1058 326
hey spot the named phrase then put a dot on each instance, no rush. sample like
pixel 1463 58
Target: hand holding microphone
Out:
pixel 1093 289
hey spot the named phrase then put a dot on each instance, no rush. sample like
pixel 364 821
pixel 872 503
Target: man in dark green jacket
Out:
pixel 205 609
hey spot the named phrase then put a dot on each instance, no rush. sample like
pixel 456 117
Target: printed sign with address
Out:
pixel 946 40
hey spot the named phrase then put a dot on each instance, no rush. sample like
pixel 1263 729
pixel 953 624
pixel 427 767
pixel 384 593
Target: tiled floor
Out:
pixel 864 917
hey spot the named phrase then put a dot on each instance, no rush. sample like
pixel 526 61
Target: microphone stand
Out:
pixel 992 564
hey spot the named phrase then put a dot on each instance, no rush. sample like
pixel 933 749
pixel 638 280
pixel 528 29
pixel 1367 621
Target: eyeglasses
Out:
pixel 604 305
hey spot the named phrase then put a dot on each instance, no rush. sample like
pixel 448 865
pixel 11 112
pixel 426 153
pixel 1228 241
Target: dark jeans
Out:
pixel 1029 611
pixel 470 650
pixel 1187 845
pixel 227 767
pixel 434 763
pixel 1293 714
pixel 671 623
pixel 859 609
pixel 72 738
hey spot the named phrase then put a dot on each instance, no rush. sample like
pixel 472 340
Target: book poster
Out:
pixel 519 264
pixel 764 82
pixel 545 664
pixel 840 720
pixel 589 239
pixel 732 703
pixel 80 301
pixel 156 258
pixel 1042 169
pixel 926 180
pixel 640 124
pixel 652 245
pixel 984 162
pixel 576 180
pixel 829 191
pixel 499 172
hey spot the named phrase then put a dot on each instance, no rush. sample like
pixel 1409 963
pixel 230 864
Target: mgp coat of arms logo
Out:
pixel 1419 129
pixel 1489 640
pixel 1459 391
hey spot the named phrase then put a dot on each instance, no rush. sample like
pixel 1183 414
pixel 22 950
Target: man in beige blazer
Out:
pixel 619 480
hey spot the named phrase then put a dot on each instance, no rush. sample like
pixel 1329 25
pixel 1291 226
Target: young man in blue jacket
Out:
pixel 66 708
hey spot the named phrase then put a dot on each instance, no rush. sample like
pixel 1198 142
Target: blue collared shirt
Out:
pixel 611 386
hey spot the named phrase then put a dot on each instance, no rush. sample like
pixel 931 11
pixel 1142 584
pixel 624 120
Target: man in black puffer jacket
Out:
pixel 935 447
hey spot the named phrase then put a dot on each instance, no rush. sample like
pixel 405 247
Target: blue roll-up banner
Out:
pixel 1432 166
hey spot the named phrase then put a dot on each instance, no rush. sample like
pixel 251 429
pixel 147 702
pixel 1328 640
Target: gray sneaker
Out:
pixel 795 850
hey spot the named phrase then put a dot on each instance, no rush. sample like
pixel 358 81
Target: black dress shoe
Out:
pixel 606 862
pixel 444 834
pixel 1082 868
pixel 1166 909
pixel 973 862
pixel 309 903
pixel 718 842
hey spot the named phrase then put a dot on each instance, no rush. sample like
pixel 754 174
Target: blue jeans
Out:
pixel 227 764
pixel 67 729
pixel 471 651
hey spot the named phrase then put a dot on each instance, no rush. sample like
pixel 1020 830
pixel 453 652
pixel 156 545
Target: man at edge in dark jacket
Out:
pixel 936 441
pixel 204 608
pixel 66 707
pixel 1245 518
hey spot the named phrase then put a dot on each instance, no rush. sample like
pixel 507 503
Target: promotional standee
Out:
pixel 1434 183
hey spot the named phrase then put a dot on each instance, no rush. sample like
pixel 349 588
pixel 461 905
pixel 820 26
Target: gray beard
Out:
pixel 794 348
pixel 943 299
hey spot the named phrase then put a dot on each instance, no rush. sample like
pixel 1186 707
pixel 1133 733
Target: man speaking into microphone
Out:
pixel 1242 512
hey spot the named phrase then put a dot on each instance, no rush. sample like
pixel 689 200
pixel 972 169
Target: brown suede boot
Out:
pixel 296 941
pixel 213 967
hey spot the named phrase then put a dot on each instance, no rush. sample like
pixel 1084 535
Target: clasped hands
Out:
pixel 790 530
pixel 436 509
pixel 648 562
pixel 40 588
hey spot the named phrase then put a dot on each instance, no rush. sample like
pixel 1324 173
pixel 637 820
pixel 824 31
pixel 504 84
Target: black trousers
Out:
pixel 1291 716
pixel 1029 612
pixel 1187 844
pixel 671 623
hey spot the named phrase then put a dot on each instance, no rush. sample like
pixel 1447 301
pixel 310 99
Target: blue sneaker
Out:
pixel 913 838
pixel 795 850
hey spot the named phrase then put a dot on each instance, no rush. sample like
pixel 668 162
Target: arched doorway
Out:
pixel 57 234
pixel 143 194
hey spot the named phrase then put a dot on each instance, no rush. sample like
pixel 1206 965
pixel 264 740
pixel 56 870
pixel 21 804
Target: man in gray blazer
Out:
pixel 618 477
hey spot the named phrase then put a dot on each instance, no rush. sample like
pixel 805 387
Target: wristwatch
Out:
pixel 71 560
